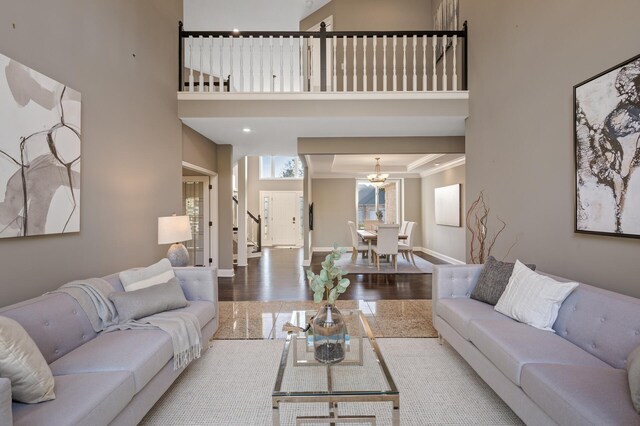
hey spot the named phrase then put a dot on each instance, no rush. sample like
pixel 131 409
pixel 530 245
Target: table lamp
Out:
pixel 174 230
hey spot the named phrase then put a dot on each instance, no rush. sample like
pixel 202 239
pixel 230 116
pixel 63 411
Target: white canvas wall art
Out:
pixel 607 144
pixel 39 153
pixel 447 205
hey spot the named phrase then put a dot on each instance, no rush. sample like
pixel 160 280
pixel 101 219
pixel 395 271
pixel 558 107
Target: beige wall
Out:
pixel 131 143
pixel 225 206
pixel 413 207
pixel 255 185
pixel 447 240
pixel 524 58
pixel 199 150
pixel 333 205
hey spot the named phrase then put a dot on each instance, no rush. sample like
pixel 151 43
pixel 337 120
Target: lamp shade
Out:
pixel 174 229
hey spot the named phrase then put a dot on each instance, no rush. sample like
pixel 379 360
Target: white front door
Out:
pixel 284 218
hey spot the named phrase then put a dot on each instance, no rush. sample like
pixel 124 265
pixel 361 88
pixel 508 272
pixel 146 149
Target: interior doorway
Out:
pixel 282 213
pixel 200 203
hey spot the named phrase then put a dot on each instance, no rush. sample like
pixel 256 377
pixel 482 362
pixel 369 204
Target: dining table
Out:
pixel 370 236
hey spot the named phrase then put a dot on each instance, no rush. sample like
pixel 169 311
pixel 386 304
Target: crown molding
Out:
pixel 451 164
pixel 422 161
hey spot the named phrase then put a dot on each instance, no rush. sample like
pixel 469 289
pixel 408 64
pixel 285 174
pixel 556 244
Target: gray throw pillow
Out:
pixel 132 305
pixel 633 370
pixel 493 280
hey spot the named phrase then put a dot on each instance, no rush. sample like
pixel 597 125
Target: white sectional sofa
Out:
pixel 575 376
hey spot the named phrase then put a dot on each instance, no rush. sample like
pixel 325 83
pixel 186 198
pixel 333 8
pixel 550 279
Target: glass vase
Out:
pixel 329 330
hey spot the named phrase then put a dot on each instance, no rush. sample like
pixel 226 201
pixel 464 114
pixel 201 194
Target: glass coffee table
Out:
pixel 363 376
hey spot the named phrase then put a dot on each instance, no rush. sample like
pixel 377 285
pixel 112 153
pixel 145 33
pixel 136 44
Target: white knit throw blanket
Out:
pixel 183 327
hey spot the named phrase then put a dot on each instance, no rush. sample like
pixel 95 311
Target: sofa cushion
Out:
pixel 23 364
pixel 81 399
pixel 532 298
pixel 459 312
pixel 140 352
pixel 580 395
pixel 510 345
pixel 601 322
pixel 493 280
pixel 158 273
pixel 136 304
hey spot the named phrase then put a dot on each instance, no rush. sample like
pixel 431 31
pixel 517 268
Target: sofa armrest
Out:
pixel 198 283
pixel 453 281
pixel 6 418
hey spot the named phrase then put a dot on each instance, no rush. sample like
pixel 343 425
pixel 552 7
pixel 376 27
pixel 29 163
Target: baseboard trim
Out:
pixel 440 256
pixel 226 273
pixel 306 262
pixel 322 249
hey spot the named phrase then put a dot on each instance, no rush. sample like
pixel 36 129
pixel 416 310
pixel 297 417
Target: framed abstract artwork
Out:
pixel 447 205
pixel 39 153
pixel 607 151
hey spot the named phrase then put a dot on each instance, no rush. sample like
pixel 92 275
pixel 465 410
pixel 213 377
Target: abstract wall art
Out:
pixel 39 153
pixel 607 151
pixel 447 205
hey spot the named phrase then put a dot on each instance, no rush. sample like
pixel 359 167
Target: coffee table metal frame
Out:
pixel 331 397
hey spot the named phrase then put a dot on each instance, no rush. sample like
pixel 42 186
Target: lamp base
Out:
pixel 178 255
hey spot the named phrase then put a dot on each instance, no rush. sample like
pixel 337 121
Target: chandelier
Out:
pixel 377 178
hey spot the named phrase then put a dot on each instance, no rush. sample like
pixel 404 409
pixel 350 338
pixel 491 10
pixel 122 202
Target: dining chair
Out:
pixel 387 243
pixel 406 247
pixel 403 228
pixel 355 242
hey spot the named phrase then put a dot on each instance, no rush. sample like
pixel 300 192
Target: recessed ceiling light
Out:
pixel 246 129
pixel 235 30
pixel 437 164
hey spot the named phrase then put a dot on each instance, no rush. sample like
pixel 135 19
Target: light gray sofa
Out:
pixel 103 379
pixel 575 376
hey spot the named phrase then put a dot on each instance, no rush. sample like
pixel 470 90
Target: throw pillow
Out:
pixel 136 279
pixel 493 279
pixel 141 303
pixel 22 362
pixel 633 369
pixel 532 298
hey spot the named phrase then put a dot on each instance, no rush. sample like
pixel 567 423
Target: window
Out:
pixel 372 201
pixel 281 167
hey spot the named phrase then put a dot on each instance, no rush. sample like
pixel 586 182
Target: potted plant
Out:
pixel 328 326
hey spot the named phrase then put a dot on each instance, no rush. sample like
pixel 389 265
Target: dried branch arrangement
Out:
pixel 477 223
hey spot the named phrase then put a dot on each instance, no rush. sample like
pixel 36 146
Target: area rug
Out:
pixel 361 266
pixel 231 385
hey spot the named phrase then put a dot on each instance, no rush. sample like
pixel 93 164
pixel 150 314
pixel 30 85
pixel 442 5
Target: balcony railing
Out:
pixel 322 61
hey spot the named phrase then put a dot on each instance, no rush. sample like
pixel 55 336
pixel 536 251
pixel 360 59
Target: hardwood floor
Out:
pixel 279 275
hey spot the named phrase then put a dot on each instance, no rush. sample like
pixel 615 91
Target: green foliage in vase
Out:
pixel 329 281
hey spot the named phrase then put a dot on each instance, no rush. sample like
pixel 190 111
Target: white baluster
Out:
pixel 231 77
pixel 301 64
pixel 201 76
pixel 221 78
pixel 344 63
pixel 291 63
pixel 444 64
pixel 251 76
pixel 211 64
pixel 434 77
pixel 355 61
pixel 191 63
pixel 415 76
pixel 384 63
pixel 375 71
pixel 261 63
pixel 395 76
pixel 364 64
pixel 241 64
pixel 455 71
pixel 281 76
pixel 310 54
pixel 424 63
pixel 404 63
pixel 271 88
pixel 334 81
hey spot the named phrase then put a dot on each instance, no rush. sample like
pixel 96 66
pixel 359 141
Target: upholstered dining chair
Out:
pixel 406 247
pixel 355 242
pixel 387 243
pixel 403 228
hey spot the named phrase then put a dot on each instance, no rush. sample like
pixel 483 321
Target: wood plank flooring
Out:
pixel 279 275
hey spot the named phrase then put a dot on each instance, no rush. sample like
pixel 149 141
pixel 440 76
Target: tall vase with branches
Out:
pixel 482 241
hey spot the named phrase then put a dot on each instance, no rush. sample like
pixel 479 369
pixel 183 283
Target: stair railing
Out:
pixel 255 232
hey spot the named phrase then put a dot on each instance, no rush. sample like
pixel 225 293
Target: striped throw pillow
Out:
pixel 136 279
